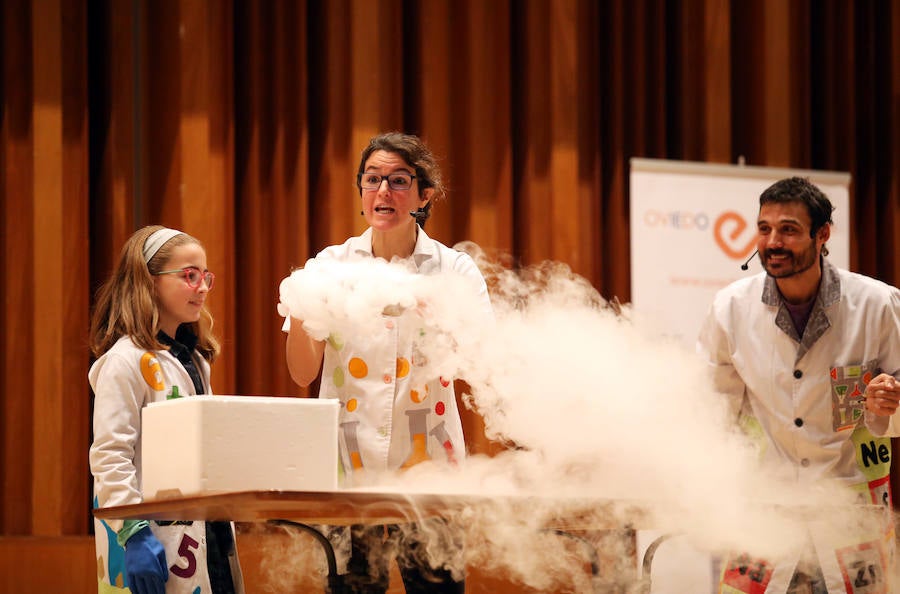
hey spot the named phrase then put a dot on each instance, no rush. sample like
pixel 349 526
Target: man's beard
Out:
pixel 796 264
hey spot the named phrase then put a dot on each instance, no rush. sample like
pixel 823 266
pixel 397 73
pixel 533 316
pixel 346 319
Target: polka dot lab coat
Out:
pixel 125 380
pixel 392 416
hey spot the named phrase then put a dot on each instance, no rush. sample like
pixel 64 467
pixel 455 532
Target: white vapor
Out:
pixel 608 423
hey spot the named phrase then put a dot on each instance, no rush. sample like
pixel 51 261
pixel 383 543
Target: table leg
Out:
pixel 335 583
pixel 646 577
pixel 593 557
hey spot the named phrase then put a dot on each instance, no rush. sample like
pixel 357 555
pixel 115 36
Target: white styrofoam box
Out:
pixel 200 445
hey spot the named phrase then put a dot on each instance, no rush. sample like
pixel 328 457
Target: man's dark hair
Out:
pixel 800 189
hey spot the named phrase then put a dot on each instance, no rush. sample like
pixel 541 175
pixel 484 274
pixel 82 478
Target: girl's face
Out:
pixel 387 209
pixel 178 301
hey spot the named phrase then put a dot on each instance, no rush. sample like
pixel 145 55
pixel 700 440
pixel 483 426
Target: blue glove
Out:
pixel 145 563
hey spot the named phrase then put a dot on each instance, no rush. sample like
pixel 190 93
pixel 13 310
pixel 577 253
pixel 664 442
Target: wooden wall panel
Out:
pixel 834 41
pixel 48 564
pixel 71 314
pixel 480 145
pixel 207 188
pixel 18 352
pixel 833 140
pixel 588 201
pixel 775 105
pixel 532 146
pixel 877 109
pixel 187 162
pixel 701 85
pixel 376 80
pixel 652 83
pixel 777 84
pixel 242 123
pixel 272 204
pixel 59 227
pixel 891 238
pixel 113 37
pixel 459 102
pixel 716 94
pixel 160 199
pixel 431 106
pixel 890 172
pixel 556 160
pixel 623 71
pixel 570 70
pixel 334 204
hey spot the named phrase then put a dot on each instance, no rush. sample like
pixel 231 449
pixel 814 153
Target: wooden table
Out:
pixel 315 507
pixel 305 509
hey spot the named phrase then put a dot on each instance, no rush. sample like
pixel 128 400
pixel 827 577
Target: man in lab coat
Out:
pixel 809 357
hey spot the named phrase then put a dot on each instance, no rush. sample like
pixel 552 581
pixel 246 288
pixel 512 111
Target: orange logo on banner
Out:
pixel 727 244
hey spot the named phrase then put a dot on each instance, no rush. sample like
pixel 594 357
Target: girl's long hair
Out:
pixel 126 304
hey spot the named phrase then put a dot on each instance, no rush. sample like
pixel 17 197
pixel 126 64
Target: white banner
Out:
pixel 694 224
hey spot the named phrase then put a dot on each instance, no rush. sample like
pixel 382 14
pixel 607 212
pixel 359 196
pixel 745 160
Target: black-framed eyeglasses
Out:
pixel 396 181
pixel 193 276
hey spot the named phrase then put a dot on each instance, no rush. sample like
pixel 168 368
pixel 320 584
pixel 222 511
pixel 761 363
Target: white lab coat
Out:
pixel 805 395
pixel 392 414
pixel 125 380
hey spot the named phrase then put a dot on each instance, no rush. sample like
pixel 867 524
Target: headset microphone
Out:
pixel 420 215
pixel 746 264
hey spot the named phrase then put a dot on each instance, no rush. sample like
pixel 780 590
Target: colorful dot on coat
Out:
pixel 337 378
pixel 335 340
pixel 439 408
pixel 444 382
pixel 151 371
pixel 415 396
pixel 352 404
pixel 402 367
pixel 358 368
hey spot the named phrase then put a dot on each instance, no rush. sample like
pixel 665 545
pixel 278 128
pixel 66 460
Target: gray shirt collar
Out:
pixel 829 294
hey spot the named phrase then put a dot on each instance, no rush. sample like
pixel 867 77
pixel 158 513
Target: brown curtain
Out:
pixel 241 122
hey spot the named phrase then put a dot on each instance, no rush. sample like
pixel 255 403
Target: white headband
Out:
pixel 156 240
